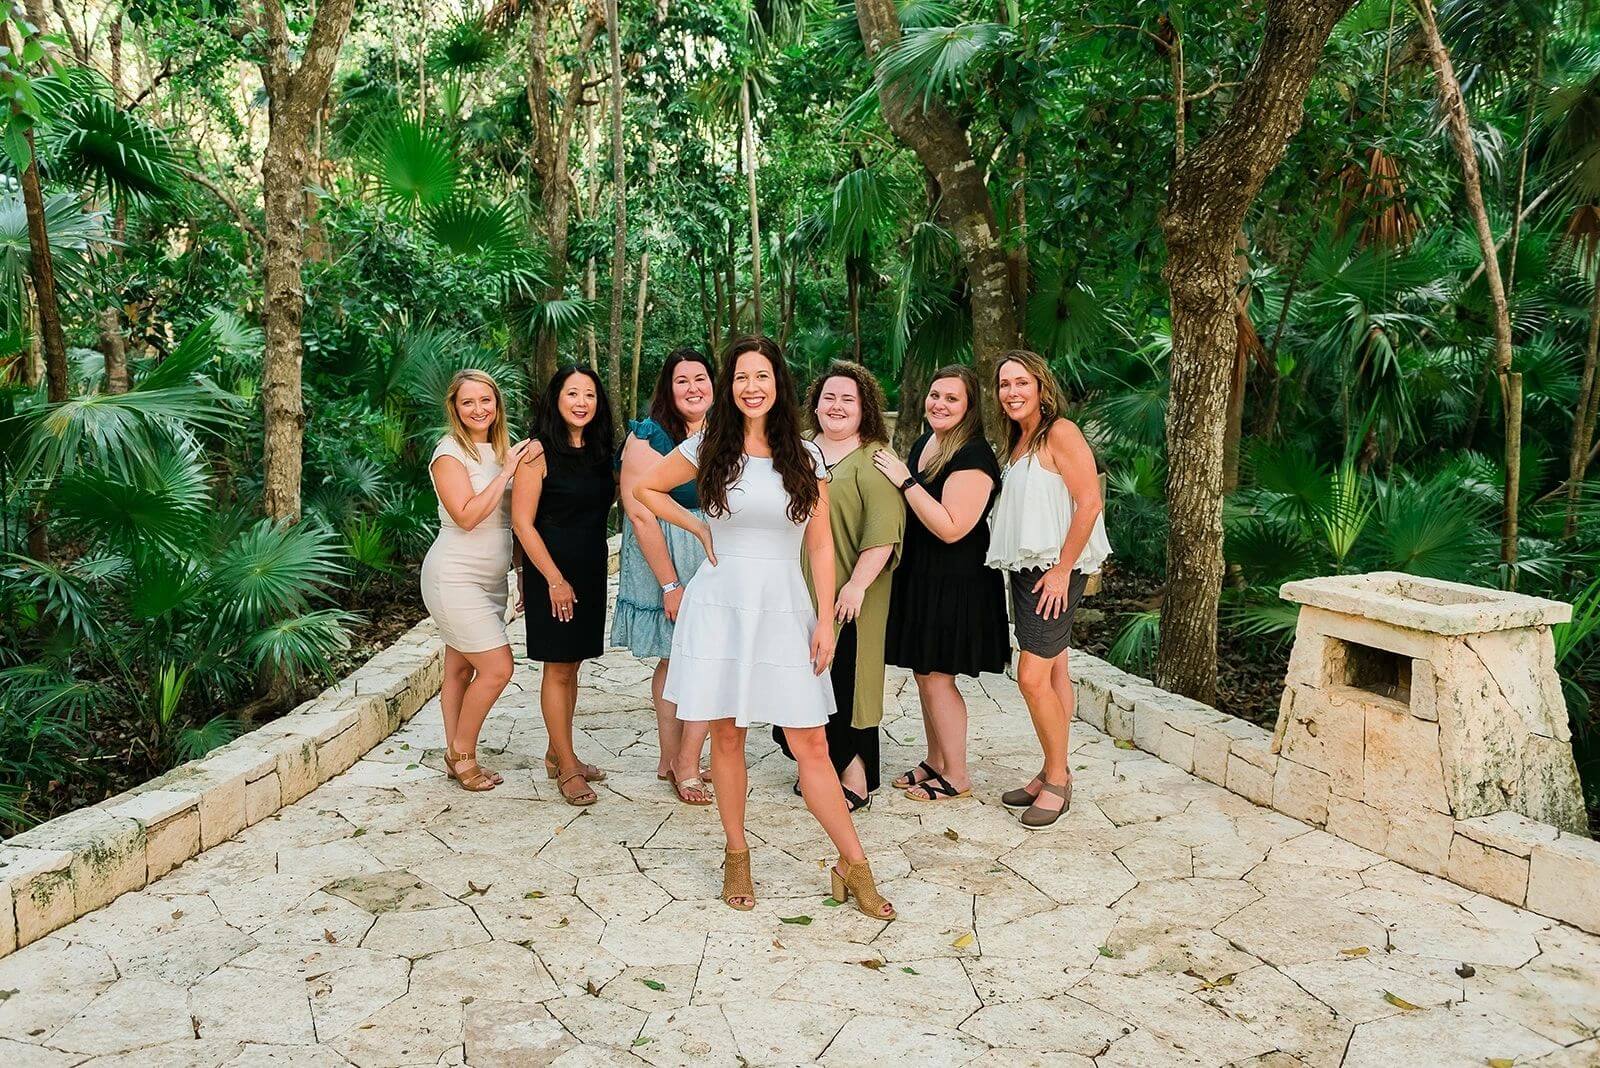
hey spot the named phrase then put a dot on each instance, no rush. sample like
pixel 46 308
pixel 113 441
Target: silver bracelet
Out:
pixel 670 586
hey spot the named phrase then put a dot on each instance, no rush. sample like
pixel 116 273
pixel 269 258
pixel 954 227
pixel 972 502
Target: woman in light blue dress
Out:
pixel 657 560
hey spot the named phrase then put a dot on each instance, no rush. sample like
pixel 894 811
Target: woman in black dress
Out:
pixel 559 504
pixel 947 612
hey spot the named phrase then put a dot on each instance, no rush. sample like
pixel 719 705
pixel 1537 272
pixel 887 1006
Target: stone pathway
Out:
pixel 390 918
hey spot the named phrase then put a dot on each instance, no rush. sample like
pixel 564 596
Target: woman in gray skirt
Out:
pixel 1048 536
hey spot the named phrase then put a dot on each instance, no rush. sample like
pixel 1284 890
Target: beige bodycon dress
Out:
pixel 464 573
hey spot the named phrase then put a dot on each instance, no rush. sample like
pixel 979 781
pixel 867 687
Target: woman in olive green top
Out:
pixel 868 518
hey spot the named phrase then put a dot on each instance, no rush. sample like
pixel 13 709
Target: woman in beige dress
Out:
pixel 464 574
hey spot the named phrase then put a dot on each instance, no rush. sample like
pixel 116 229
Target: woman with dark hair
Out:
pixel 657 559
pixel 559 504
pixel 1049 536
pixel 947 612
pixel 749 643
pixel 868 520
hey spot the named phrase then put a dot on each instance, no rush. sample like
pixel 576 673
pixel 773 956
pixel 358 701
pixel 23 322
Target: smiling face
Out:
pixel 947 402
pixel 691 390
pixel 839 408
pixel 477 408
pixel 755 386
pixel 1018 391
pixel 577 401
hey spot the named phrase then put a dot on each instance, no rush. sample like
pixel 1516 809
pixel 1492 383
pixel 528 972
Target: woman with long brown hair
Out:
pixel 749 643
pixel 558 510
pixel 947 614
pixel 868 520
pixel 657 559
pixel 464 573
pixel 1049 535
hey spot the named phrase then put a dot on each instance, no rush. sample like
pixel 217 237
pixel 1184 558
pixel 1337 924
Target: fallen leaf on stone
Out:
pixel 1400 1003
pixel 798 921
pixel 640 1041
pixel 474 888
pixel 874 964
pixel 563 923
pixel 590 989
pixel 1107 951
pixel 777 944
pixel 963 942
pixel 1466 971
pixel 910 970
pixel 654 984
pixel 177 914
pixel 406 746
pixel 412 767
pixel 1124 743
pixel 1502 1062
pixel 1354 951
pixel 4 994
pixel 533 895
pixel 358 832
pixel 327 936
pixel 950 833
pixel 1210 984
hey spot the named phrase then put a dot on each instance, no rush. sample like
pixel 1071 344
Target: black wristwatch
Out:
pixel 911 480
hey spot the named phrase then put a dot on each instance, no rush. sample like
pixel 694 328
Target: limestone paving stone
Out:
pixel 388 918
pixel 128 1015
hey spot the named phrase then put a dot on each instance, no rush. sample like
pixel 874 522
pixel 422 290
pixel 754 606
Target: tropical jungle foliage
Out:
pixel 458 207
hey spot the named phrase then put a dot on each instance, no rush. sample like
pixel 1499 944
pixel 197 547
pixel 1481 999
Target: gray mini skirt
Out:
pixel 1035 634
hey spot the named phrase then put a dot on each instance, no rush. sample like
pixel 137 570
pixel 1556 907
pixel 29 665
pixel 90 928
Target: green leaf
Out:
pixel 910 970
pixel 798 921
pixel 654 984
pixel 830 903
pixel 641 1041
pixel 1124 743
pixel 1400 1003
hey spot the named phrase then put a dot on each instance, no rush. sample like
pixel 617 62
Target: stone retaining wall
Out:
pixel 80 862
pixel 1504 855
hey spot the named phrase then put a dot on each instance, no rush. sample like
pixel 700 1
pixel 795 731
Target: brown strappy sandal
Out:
pixel 1037 818
pixel 587 797
pixel 1022 798
pixel 738 891
pixel 856 881
pixel 494 776
pixel 590 772
pixel 477 780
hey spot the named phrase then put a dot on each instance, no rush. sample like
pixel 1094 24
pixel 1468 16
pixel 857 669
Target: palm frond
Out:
pixel 274 570
pixel 931 60
pixel 302 644
pixel 101 146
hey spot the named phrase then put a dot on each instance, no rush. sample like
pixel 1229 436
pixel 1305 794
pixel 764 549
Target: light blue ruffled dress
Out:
pixel 640 624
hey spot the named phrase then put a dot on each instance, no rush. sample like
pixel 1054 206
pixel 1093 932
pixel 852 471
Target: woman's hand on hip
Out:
pixel 703 533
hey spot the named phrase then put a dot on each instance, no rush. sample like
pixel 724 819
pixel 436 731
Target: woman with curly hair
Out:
pixel 749 644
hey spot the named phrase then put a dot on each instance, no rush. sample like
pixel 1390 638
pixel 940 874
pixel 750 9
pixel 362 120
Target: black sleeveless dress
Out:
pixel 577 495
pixel 947 609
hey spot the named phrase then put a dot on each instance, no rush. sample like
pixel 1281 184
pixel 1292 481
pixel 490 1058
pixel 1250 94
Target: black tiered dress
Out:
pixel 947 609
pixel 574 500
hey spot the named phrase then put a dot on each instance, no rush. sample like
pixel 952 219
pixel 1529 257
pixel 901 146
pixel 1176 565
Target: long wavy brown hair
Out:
pixel 722 455
pixel 971 426
pixel 873 428
pixel 1052 401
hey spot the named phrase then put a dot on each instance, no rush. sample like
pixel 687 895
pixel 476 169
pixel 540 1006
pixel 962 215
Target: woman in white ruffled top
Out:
pixel 1048 536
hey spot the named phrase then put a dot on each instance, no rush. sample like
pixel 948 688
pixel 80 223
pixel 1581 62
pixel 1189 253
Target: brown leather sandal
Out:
pixel 856 881
pixel 1022 797
pixel 590 772
pixel 738 891
pixel 578 800
pixel 476 780
pixel 1036 818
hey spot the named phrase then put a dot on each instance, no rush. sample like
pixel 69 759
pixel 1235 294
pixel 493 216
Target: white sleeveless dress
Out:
pixel 464 574
pixel 741 647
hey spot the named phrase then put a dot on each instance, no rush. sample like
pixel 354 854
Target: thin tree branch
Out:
pixel 228 201
pixel 1162 98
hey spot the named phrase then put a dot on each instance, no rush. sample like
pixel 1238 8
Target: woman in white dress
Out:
pixel 464 574
pixel 749 644
pixel 1049 535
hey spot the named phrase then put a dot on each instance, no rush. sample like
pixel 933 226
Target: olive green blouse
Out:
pixel 865 511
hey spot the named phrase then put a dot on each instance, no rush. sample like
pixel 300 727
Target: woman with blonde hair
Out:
pixel 1049 535
pixel 947 614
pixel 464 574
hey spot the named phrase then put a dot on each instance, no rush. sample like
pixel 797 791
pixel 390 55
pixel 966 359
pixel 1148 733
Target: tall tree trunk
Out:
pixel 748 132
pixel 735 327
pixel 638 333
pixel 114 349
pixel 1457 121
pixel 294 96
pixel 42 271
pixel 1018 256
pixel 1584 414
pixel 932 132
pixel 549 152
pixel 619 241
pixel 908 422
pixel 716 318
pixel 591 273
pixel 1522 159
pixel 1210 192
pixel 852 275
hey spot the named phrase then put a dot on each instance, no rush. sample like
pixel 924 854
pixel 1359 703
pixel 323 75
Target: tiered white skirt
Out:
pixel 741 648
